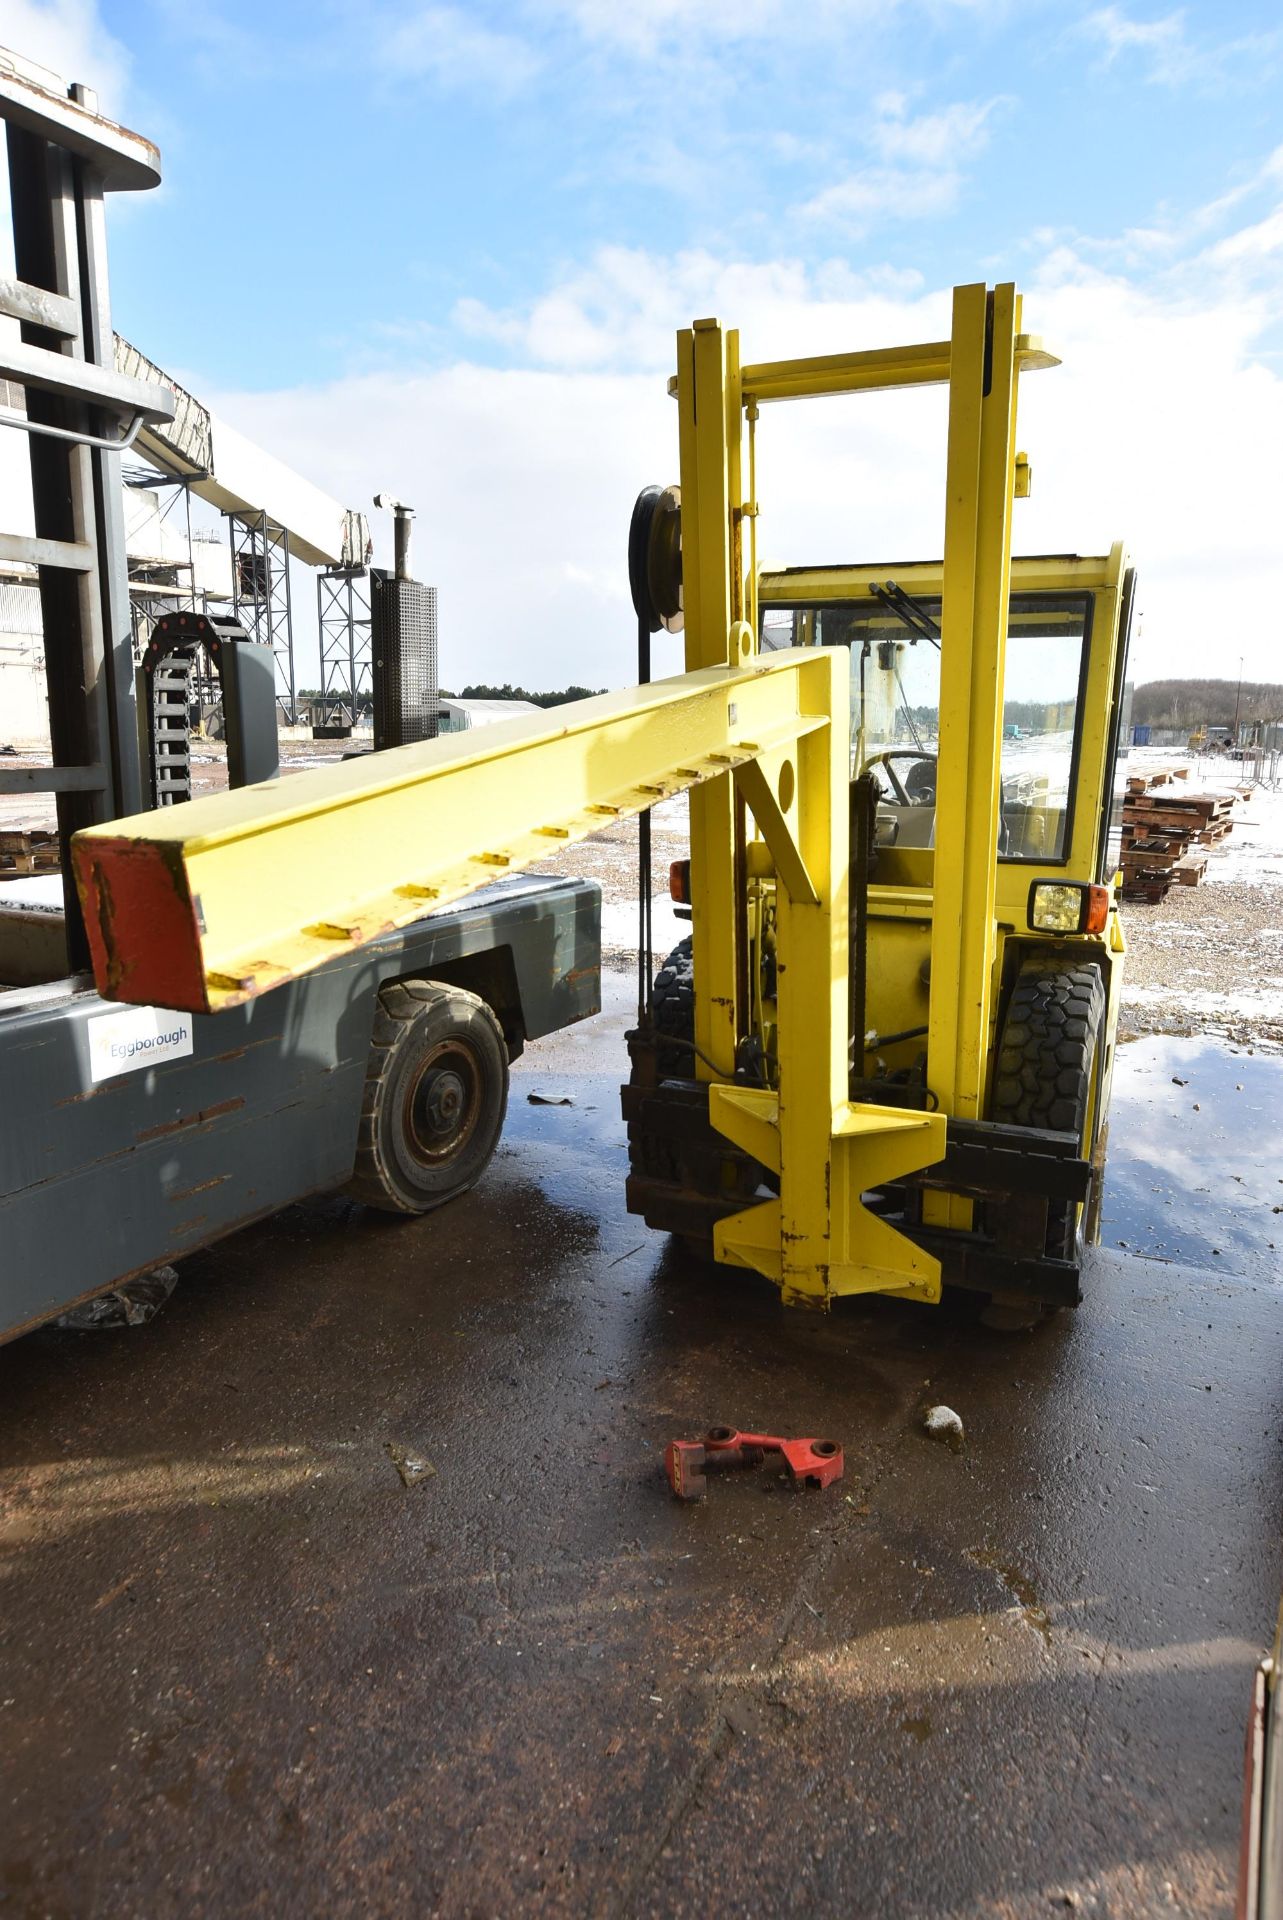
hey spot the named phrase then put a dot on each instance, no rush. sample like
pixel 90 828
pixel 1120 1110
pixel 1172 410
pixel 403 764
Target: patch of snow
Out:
pixel 619 926
pixel 33 893
pixel 1264 1004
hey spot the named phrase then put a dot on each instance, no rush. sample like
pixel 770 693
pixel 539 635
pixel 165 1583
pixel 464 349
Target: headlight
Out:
pixel 1061 906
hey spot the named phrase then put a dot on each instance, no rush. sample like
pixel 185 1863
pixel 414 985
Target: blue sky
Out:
pixel 347 180
pixel 443 248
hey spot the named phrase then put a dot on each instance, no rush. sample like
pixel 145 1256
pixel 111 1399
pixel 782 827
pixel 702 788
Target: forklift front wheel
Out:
pixel 1046 1075
pixel 436 1092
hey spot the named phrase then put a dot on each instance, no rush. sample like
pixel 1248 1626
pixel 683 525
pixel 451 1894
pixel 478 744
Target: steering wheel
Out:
pixel 918 788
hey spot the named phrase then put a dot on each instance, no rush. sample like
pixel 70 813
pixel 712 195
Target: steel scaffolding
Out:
pixel 343 618
pixel 145 610
pixel 261 596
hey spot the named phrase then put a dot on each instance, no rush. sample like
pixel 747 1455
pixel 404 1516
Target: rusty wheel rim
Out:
pixel 442 1103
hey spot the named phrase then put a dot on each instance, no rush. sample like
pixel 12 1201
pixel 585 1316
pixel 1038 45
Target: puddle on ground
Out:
pixel 1020 1587
pixel 1195 1165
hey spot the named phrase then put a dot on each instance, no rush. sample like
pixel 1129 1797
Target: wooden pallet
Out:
pixel 1196 807
pixel 32 851
pixel 1134 836
pixel 1151 890
pixel 1159 832
pixel 1156 777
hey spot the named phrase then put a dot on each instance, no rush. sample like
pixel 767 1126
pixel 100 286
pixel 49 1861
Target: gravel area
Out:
pixel 1209 959
pixel 610 858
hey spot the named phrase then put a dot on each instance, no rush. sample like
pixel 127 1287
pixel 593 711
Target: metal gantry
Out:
pixel 343 621
pixel 80 414
pixel 160 587
pixel 261 595
pixel 145 610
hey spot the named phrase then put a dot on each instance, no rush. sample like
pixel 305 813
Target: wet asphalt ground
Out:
pixel 246 1668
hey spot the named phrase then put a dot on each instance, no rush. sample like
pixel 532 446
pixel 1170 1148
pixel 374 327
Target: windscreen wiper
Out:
pixel 910 612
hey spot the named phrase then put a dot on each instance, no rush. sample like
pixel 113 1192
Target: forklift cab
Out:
pixel 1060 795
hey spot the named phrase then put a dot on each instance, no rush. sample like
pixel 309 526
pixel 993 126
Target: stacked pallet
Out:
pixel 32 851
pixel 1156 777
pixel 1162 833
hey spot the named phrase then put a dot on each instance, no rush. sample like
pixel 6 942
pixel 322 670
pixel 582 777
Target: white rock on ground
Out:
pixel 942 1423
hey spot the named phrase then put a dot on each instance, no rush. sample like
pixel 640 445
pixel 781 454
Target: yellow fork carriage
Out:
pixel 857 1097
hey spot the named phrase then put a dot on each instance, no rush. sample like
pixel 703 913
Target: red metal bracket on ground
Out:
pixel 812 1463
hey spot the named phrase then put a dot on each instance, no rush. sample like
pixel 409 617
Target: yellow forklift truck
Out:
pixel 1054 1011
pixel 865 1071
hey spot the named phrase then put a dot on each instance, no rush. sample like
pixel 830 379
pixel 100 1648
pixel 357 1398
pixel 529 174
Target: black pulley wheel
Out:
pixel 436 1092
pixel 655 558
pixel 639 555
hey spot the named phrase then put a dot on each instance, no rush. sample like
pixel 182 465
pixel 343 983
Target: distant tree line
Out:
pixel 556 699
pixel 1031 716
pixel 1208 703
pixel 505 692
pixel 1158 703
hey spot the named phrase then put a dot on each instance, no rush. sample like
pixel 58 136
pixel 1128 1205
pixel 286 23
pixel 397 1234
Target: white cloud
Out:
pixel 1166 52
pixel 623 307
pixel 1251 243
pixel 643 26
pixel 447 45
pixel 918 170
pixel 1179 252
pixel 932 139
pixel 522 482
pixel 1162 42
pixel 874 195
pixel 1125 444
pixel 68 37
pixel 524 477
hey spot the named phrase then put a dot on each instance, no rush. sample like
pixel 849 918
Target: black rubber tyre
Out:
pixel 436 1092
pixel 673 1011
pixel 1047 1061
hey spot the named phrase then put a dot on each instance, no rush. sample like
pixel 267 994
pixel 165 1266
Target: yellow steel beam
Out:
pixel 973 620
pixel 211 903
pixel 870 372
pixel 981 466
pixel 1030 573
pixel 207 904
pixel 772 806
pixel 833 373
pixel 707 401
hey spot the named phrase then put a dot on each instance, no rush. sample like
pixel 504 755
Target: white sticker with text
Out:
pixel 136 1037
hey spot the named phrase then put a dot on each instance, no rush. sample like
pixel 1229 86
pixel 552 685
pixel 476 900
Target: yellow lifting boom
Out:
pixel 202 906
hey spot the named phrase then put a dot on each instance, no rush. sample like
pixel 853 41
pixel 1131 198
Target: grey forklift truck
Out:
pixel 130 1137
